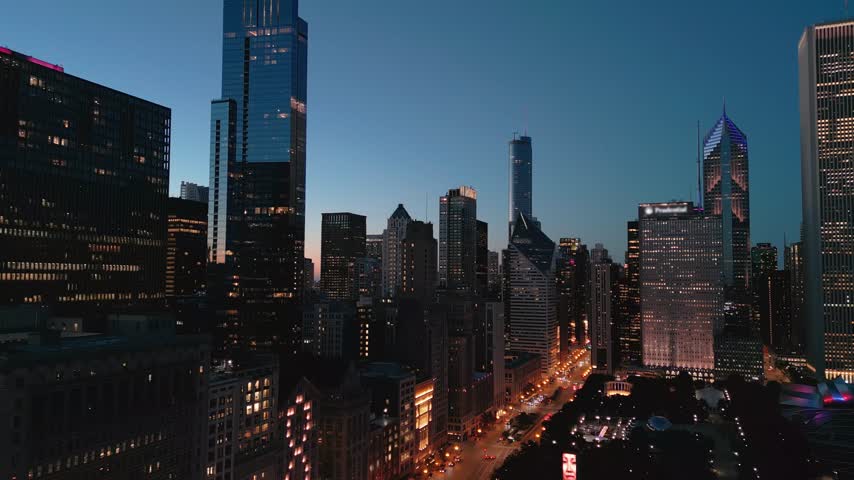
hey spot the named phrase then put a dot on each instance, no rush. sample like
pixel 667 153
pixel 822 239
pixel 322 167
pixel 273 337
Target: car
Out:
pixel 489 457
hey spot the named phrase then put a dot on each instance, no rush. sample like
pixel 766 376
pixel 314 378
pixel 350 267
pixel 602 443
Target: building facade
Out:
pixel 186 247
pixel 825 67
pixel 257 174
pixel 533 296
pixel 681 287
pixel 629 333
pixel 419 262
pixel 196 193
pixel 458 239
pixel 342 243
pixel 601 314
pixel 392 256
pixel 84 177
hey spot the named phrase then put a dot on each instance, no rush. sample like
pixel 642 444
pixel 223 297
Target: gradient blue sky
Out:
pixel 408 99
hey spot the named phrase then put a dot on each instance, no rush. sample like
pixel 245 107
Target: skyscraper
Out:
pixel 257 170
pixel 726 193
pixel 681 287
pixel 342 244
pixel 601 309
pixel 521 175
pixel 629 332
pixel 84 178
pixel 826 69
pixel 532 294
pixel 763 261
pixel 186 252
pixel 418 276
pixel 392 236
pixel 494 275
pixel 458 239
pixel 374 246
pixel 572 268
pixel 794 264
pixel 482 260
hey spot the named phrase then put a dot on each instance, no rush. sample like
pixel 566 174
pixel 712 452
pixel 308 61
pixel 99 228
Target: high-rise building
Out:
pixel 489 344
pixel 825 68
pixel 331 329
pixel 419 262
pixel 458 239
pixel 374 246
pixel 301 456
pixel 601 309
pixel 392 260
pixel 780 311
pixel 763 261
pixel 572 285
pixel 196 193
pixel 392 388
pixel 308 270
pixel 343 425
pixel 84 178
pixel 629 331
pixel 257 173
pixel 141 396
pixel 521 176
pixel 794 264
pixel 681 287
pixel 186 247
pixel 533 297
pixel 494 275
pixel 482 260
pixel 342 243
pixel 726 193
pixel 369 277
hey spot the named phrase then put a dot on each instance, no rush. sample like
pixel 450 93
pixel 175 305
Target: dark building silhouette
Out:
pixel 458 239
pixel 482 260
pixel 629 325
pixel 342 243
pixel 186 247
pixel 84 178
pixel 419 262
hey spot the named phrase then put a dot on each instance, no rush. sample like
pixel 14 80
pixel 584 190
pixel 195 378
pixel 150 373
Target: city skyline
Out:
pixel 572 128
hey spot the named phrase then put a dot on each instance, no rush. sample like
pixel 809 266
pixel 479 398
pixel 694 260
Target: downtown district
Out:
pixel 143 336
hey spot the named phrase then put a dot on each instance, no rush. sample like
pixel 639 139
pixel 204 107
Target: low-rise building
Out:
pixel 520 369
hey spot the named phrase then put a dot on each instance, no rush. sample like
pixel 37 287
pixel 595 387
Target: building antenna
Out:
pixel 699 172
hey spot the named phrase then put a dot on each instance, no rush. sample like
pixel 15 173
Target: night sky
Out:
pixel 408 99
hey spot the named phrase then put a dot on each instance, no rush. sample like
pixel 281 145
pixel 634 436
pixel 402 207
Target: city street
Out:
pixel 472 452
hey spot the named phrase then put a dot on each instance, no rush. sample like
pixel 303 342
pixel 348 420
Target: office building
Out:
pixel 242 420
pixel 681 287
pixel 369 277
pixel 374 246
pixel 533 297
pixel 186 247
pixel 84 177
pixel 763 260
pixel 330 329
pixel 521 176
pixel 392 388
pixel 458 239
pixel 489 344
pixel 572 287
pixel 384 448
pixel 308 270
pixel 126 403
pixel 780 311
pixel 520 370
pixel 461 416
pixel 726 193
pixel 196 193
pixel 419 262
pixel 256 205
pixel 301 456
pixel 342 243
pixel 343 412
pixel 392 259
pixel 826 149
pixel 629 331
pixel 794 264
pixel 601 311
pixel 424 393
pixel 493 276
pixel 482 260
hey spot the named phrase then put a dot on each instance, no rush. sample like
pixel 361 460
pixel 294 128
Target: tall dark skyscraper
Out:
pixel 826 69
pixel 418 251
pixel 458 239
pixel 629 330
pixel 521 175
pixel 763 265
pixel 84 178
pixel 726 192
pixel 482 260
pixel 794 265
pixel 186 252
pixel 257 171
pixel 342 244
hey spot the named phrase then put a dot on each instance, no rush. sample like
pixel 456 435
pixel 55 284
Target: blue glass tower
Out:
pixel 257 169
pixel 520 180
pixel 726 193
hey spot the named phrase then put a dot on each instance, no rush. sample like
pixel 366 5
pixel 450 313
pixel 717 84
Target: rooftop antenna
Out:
pixel 699 172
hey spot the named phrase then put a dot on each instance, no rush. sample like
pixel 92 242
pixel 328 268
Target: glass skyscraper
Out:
pixel 826 70
pixel 458 239
pixel 520 180
pixel 726 193
pixel 257 171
